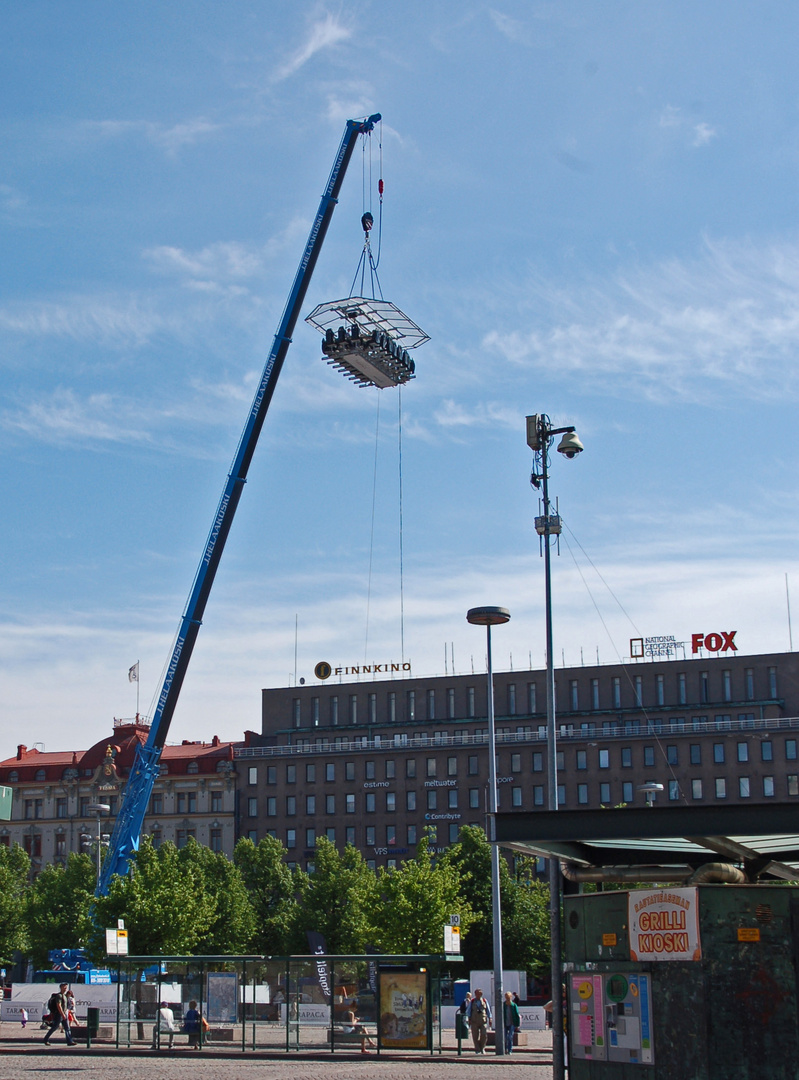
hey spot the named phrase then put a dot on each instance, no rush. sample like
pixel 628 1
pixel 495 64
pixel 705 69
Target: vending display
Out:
pixel 610 1017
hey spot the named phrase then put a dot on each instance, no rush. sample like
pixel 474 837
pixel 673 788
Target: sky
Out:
pixel 591 209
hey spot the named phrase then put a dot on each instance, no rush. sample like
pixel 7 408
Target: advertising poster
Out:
pixel 664 924
pixel 222 995
pixel 403 1010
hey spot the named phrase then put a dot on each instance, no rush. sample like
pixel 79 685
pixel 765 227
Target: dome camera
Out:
pixel 570 446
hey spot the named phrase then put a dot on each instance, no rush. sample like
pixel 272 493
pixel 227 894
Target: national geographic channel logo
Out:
pixel 323 670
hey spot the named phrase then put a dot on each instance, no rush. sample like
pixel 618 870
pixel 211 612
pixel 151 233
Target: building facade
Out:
pixel 376 763
pixel 194 796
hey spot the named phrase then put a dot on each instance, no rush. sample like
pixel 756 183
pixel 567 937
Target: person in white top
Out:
pixel 165 1025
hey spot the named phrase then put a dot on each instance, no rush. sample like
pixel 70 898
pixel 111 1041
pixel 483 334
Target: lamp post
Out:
pixel 650 789
pixel 488 617
pixel 99 809
pixel 540 434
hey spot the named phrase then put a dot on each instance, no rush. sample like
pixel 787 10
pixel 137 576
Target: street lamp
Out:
pixel 540 434
pixel 650 789
pixel 99 809
pixel 488 617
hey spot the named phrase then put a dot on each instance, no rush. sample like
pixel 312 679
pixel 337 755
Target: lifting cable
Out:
pixel 367 222
pixel 372 535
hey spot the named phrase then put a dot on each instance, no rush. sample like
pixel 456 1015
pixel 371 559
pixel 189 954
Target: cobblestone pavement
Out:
pixel 83 1065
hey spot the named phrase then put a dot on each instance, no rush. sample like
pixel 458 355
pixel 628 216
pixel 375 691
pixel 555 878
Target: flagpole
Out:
pixel 138 684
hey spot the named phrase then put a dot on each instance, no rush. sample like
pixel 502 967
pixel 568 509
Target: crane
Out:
pixel 144 771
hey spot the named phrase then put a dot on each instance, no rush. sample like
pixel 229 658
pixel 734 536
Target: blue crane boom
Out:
pixel 125 837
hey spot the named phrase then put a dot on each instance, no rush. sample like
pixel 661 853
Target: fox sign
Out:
pixel 722 642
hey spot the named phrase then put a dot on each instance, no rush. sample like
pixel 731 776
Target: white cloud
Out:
pixel 703 133
pixel 324 33
pixel 169 137
pixel 85 318
pixel 730 318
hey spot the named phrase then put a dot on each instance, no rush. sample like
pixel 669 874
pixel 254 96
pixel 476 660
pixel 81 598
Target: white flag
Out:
pixel 133 673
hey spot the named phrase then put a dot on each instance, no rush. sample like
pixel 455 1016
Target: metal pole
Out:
pixel 555 883
pixel 496 906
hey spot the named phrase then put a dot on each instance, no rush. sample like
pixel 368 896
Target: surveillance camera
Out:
pixel 570 446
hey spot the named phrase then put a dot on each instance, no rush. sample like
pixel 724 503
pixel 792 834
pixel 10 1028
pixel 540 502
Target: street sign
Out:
pixel 452 940
pixel 116 942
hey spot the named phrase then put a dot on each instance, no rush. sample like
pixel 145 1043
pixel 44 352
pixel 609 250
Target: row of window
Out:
pixel 517 701
pixel 388 836
pixel 332 804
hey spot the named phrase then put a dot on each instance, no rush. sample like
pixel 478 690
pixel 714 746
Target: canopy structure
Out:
pixel 762 840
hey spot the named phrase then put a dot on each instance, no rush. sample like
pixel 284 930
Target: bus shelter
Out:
pixel 316 1002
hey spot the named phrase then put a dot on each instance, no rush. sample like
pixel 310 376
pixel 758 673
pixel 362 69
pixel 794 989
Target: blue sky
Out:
pixel 590 208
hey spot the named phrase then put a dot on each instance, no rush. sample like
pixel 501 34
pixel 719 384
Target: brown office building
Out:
pixel 375 762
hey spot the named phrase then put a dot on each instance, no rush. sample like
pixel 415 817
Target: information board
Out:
pixel 610 1017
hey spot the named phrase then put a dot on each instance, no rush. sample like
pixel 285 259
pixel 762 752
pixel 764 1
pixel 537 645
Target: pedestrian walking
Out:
pixel 23 1017
pixel 511 1020
pixel 479 1017
pixel 57 1007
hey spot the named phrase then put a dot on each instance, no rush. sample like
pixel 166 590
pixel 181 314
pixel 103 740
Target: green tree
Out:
pixel 525 936
pixel 162 900
pixel 272 891
pixel 15 867
pixel 340 898
pixel 416 902
pixel 232 924
pixel 57 911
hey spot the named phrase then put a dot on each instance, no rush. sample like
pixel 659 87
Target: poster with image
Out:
pixel 403 1010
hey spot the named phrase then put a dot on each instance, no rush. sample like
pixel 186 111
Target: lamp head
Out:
pixel 570 446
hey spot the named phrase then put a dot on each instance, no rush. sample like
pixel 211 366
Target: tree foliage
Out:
pixel 14 870
pixel 416 902
pixel 272 892
pixel 225 896
pixel 58 905
pixel 340 898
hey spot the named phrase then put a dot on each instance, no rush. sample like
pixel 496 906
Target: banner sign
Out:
pixel 664 924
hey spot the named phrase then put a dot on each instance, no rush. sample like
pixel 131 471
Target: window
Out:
pixel 410 706
pixel 674 790
pixel 315 711
pixel 582 794
pixel 793 784
pixel 616 687
pixel 474 798
pixel 349 835
pixel 604 794
pixel 660 690
pixel 582 759
pixel 252 807
pixel 350 804
pixel 749 681
pixel 561 794
pixel 291 838
pixel 155 836
pixel 349 770
pixel 726 685
pixel 627 792
pixel 271 806
pixel 334 711
pixel 432 803
pixel 538 795
pixel 431 704
pixel 271 774
pixel 696 789
pixel 252 774
pixel 330 833
pixel 391 834
pixel 718 753
pixel 681 689
pixel 531 703
pixel 574 695
pixel 291 774
pixel 330 771
pixel 391 802
pixel 310 838
pixel 639 691
pixel 60 844
pixel 452 766
pixel 215 840
pixel 511 699
pixel 672 755
pixel 604 759
pixel 184 835
pixel 721 787
pixel 296 711
pixel 61 808
pixel 353 708
pixel 595 693
pixel 452 798
pixel 291 805
pixel 454 829
pixel 767 750
pixel 538 761
pixel 370 835
pixel 157 803
pixel 310 774
pixel 743 787
pixel 369 770
pixel 431 767
pixel 743 751
pixel 704 687
pixel 768 787
pixel 412 835
pixel 473 767
pixel 391 769
pixel 33 845
pixel 392 707
pixel 410 768
pixel 626 757
pixel 410 800
pixel 772 682
pixel 370 802
pixel 470 701
pixel 790 749
pixel 330 804
pixel 696 754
